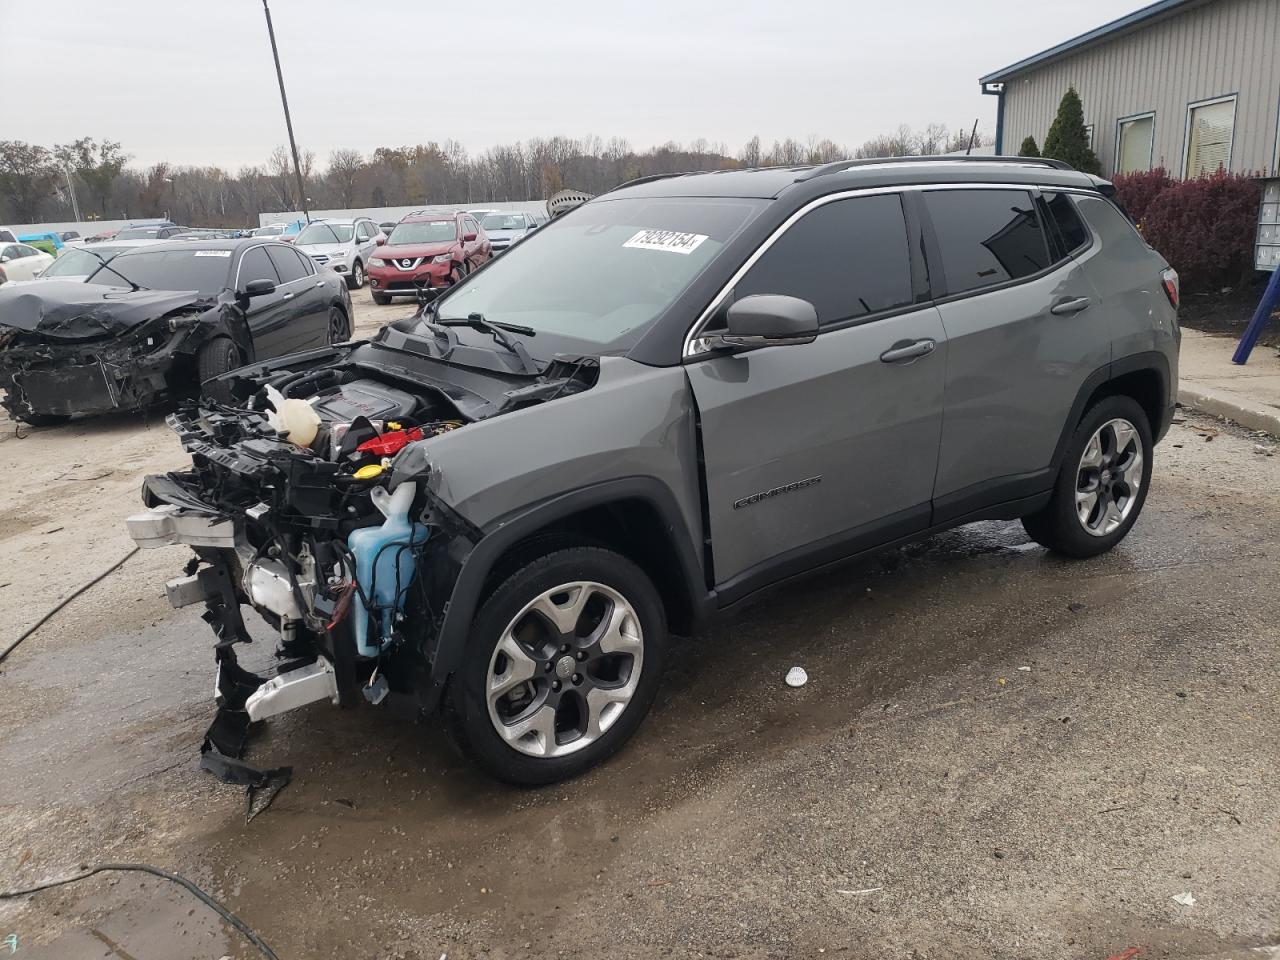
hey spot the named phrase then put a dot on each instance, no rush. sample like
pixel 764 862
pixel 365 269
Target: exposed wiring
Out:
pixel 213 904
pixel 64 601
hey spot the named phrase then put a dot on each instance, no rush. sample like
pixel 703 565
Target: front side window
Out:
pixel 849 258
pixel 1210 128
pixel 287 261
pixel 1065 220
pixel 986 236
pixel 601 275
pixel 256 265
pixel 1133 147
pixel 325 233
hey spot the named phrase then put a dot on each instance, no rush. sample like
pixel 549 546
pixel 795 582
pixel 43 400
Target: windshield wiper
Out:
pixel 106 266
pixel 498 331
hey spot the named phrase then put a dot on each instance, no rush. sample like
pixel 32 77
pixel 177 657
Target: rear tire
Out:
pixel 573 643
pixel 215 358
pixel 1102 483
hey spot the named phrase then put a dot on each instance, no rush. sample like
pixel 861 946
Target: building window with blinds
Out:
pixel 1134 143
pixel 1210 126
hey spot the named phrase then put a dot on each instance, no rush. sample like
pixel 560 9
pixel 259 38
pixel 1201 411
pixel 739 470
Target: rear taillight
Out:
pixel 1169 277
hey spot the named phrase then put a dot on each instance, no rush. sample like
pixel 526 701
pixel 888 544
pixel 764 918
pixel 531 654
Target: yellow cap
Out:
pixel 393 425
pixel 369 471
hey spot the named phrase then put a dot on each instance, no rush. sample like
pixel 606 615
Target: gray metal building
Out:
pixel 1189 85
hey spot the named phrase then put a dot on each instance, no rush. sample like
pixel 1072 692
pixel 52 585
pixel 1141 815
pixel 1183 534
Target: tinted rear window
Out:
pixel 986 236
pixel 201 270
pixel 848 258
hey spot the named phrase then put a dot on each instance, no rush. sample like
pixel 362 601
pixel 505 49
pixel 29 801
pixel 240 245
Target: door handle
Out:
pixel 287 296
pixel 319 283
pixel 905 350
pixel 1073 305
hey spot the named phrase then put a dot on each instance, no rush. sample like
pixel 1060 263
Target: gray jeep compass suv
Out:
pixel 679 394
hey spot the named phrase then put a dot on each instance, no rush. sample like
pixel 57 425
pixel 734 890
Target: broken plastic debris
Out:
pixel 1186 899
pixel 1025 669
pixel 796 677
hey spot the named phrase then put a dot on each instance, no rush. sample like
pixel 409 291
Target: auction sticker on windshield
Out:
pixel 213 253
pixel 669 240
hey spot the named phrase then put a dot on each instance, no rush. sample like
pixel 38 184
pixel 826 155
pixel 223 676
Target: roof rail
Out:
pixel 837 166
pixel 649 179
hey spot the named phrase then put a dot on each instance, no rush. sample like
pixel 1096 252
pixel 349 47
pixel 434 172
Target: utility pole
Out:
pixel 71 189
pixel 288 121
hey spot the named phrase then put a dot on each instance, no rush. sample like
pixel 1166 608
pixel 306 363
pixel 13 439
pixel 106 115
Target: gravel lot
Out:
pixel 998 754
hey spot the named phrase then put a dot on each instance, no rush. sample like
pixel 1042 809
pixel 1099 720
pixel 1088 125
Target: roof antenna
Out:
pixel 972 135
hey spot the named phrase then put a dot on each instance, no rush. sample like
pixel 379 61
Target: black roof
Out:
pixel 772 182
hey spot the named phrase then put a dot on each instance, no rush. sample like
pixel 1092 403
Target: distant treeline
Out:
pixel 39 184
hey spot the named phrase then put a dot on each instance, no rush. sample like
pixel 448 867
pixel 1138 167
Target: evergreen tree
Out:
pixel 1068 140
pixel 1029 148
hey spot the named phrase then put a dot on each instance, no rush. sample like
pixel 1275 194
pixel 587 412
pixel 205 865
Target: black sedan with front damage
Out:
pixel 157 321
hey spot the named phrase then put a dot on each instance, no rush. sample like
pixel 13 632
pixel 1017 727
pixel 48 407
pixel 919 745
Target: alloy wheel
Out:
pixel 357 274
pixel 564 669
pixel 1109 477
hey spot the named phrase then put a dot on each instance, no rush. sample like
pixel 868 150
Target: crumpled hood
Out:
pixel 70 310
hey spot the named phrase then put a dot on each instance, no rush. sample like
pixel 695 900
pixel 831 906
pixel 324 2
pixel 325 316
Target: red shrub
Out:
pixel 1205 228
pixel 1135 191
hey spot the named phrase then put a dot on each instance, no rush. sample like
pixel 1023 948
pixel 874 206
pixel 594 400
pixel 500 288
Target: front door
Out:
pixel 269 315
pixel 818 450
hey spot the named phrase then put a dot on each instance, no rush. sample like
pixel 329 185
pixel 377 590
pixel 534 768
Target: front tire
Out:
pixel 1102 483
pixel 382 299
pixel 214 359
pixel 564 661
pixel 339 329
pixel 355 279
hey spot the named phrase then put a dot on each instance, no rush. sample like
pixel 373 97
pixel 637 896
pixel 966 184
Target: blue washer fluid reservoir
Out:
pixel 384 558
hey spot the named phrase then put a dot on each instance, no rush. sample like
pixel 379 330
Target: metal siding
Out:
pixel 1220 48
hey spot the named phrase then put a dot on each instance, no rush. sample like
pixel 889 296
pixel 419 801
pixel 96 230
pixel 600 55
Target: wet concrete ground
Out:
pixel 924 795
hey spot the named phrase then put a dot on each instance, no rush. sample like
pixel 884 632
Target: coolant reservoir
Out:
pixel 385 565
pixel 295 418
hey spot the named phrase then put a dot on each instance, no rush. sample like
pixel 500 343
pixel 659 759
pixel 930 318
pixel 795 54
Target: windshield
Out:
pixel 430 231
pixel 139 233
pixel 604 272
pixel 202 270
pixel 325 233
pixel 77 263
pixel 504 221
pixel 274 231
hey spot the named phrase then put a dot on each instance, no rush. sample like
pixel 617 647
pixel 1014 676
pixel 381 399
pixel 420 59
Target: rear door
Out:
pixel 1023 334
pixel 270 317
pixel 308 327
pixel 815 451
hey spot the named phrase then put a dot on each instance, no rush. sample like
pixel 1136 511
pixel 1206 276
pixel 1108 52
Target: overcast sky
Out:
pixel 192 82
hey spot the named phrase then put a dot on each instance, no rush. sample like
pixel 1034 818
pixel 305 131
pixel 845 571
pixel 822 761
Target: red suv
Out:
pixel 430 250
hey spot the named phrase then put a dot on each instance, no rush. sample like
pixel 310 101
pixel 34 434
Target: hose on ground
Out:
pixel 182 881
pixel 64 601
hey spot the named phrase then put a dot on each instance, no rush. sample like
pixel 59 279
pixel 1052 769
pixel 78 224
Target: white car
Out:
pixel 21 262
pixel 342 245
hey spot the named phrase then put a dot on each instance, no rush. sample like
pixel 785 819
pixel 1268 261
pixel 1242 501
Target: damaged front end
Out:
pixel 315 503
pixel 90 350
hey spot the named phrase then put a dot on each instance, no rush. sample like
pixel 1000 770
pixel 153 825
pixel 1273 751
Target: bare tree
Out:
pixel 344 171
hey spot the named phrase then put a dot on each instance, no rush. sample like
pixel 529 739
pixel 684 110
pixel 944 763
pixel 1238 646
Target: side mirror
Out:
pixel 766 320
pixel 468 237
pixel 259 288
pixel 380 239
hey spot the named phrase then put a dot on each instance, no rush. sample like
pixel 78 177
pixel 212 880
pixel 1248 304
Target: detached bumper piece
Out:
pixel 242 697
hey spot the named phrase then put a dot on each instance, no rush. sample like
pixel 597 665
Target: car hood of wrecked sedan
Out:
pixel 70 310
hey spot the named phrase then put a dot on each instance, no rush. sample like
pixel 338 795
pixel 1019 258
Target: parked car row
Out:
pixel 123 325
